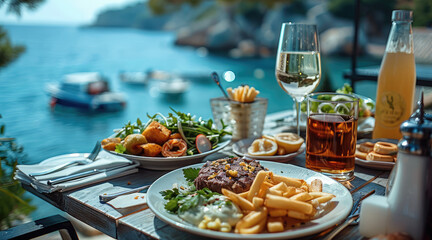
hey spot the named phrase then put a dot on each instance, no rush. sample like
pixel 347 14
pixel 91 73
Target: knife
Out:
pixel 103 198
pixel 81 175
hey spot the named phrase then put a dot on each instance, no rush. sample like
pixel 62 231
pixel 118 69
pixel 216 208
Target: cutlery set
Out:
pixel 91 158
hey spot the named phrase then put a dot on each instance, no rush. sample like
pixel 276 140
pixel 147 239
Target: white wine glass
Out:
pixel 298 63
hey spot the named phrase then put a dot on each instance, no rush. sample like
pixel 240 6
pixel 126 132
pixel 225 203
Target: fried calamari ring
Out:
pixel 373 156
pixel 366 147
pixel 174 148
pixel 110 143
pixel 385 148
pixel 132 143
pixel 361 155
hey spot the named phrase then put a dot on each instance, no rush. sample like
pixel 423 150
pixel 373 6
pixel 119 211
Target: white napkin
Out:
pixel 104 160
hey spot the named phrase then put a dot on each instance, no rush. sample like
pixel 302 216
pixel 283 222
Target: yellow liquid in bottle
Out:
pixel 395 94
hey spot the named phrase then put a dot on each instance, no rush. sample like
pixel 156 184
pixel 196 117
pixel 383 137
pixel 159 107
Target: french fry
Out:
pixel 257 202
pixel 316 186
pixel 275 224
pixel 275 192
pixel 273 201
pixel 280 186
pixel 291 191
pixel 245 92
pixel 318 194
pixel 253 230
pixel 243 203
pixel 297 215
pixel 275 212
pixel 304 196
pixel 252 218
pixel 254 189
pixel 244 194
pixel 230 93
pixel 324 198
pixel 287 180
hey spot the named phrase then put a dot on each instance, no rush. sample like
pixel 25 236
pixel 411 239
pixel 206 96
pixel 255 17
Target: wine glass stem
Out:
pixel 297 105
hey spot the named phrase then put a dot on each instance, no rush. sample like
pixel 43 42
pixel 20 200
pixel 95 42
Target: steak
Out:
pixel 235 174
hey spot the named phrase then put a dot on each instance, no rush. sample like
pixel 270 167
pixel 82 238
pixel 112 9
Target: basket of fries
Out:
pixel 243 112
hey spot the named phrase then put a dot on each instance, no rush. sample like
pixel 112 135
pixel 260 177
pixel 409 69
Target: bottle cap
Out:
pixel 402 15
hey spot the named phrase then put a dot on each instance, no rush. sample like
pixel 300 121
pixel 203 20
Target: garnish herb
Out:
pixel 183 200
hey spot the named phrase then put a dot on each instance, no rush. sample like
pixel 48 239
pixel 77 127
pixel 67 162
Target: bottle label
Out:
pixel 390 109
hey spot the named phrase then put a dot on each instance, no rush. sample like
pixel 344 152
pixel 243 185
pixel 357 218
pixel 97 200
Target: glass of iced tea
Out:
pixel 331 134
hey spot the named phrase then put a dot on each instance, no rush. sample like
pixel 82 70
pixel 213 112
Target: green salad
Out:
pixel 177 122
pixel 366 105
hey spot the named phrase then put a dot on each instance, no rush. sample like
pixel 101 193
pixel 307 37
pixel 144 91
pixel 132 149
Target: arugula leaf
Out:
pixel 190 174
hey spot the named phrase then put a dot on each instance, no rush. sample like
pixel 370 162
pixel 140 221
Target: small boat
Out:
pixel 175 86
pixel 158 75
pixel 87 91
pixel 134 77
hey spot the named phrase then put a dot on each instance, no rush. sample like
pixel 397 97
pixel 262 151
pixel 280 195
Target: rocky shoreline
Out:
pixel 215 27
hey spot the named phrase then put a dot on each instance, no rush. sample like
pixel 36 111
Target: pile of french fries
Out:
pixel 277 203
pixel 243 93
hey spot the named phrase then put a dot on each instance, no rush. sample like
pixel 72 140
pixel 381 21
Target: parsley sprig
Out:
pixel 183 200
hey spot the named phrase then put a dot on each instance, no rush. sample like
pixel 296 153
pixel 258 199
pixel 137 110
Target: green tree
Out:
pixel 423 13
pixel 13 203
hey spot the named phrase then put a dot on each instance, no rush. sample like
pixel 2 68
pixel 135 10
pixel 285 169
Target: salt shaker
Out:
pixel 403 209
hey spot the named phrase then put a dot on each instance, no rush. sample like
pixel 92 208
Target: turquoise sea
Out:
pixel 53 51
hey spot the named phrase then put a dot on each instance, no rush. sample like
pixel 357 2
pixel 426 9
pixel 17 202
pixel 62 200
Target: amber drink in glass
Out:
pixel 331 134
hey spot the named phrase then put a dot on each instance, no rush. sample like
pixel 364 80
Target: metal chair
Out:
pixel 41 227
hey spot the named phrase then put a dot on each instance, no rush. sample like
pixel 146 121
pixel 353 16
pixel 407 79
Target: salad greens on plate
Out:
pixel 366 105
pixel 178 122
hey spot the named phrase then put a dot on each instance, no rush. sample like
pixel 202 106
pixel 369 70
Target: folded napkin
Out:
pixel 115 166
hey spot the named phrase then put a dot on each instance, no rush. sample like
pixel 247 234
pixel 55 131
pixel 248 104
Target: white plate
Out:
pixel 375 164
pixel 169 163
pixel 335 211
pixel 241 148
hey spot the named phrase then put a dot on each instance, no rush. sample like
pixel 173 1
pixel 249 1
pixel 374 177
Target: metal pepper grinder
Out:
pixel 404 209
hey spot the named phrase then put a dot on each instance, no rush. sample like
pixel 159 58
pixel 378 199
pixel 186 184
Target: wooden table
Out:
pixel 84 204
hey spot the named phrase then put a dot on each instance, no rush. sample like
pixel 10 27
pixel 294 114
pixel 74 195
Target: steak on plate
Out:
pixel 235 174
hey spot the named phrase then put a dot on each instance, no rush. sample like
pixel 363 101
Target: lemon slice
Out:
pixel 263 147
pixel 289 141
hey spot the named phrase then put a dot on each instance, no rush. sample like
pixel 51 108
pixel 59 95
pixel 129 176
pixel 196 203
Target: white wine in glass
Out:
pixel 298 64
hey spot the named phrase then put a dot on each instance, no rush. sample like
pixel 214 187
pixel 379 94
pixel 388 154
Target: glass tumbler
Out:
pixel 331 134
pixel 244 120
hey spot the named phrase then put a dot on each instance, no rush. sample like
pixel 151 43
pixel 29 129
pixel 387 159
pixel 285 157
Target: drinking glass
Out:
pixel 298 63
pixel 331 134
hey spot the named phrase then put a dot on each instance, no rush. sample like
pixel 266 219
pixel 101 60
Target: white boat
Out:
pixel 175 86
pixel 86 90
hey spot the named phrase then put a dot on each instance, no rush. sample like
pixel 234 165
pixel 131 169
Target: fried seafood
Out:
pixel 156 133
pixel 151 149
pixel 110 143
pixel 174 148
pixel 133 143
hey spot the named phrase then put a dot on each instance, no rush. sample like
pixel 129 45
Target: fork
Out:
pixel 91 157
pixel 353 218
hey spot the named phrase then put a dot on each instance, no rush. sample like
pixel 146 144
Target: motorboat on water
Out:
pixel 87 91
pixel 175 86
pixel 157 75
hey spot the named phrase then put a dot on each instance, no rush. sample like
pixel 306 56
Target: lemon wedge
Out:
pixel 289 141
pixel 263 147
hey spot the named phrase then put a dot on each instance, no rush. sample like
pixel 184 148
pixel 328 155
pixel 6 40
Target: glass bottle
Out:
pixel 396 79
